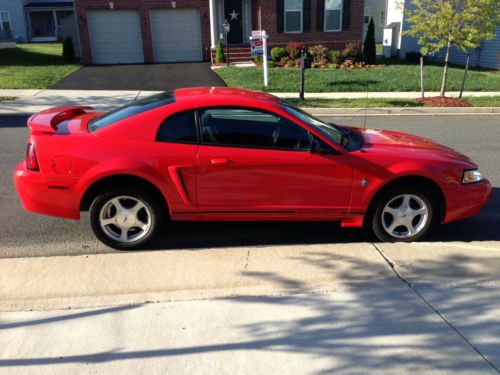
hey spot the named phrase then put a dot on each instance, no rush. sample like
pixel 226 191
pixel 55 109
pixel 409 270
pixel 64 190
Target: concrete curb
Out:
pixel 382 95
pixel 139 277
pixel 425 111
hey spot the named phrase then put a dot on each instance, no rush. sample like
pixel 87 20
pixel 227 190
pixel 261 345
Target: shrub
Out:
pixel 323 63
pixel 284 60
pixel 278 53
pixel 335 57
pixel 318 53
pixel 271 64
pixel 220 57
pixel 350 51
pixel 258 60
pixel 369 48
pixel 68 51
pixel 294 49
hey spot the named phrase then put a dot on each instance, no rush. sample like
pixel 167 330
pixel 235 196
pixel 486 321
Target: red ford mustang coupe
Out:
pixel 220 154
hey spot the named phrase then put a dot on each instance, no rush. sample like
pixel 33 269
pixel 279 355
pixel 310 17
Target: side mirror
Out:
pixel 316 146
pixel 320 147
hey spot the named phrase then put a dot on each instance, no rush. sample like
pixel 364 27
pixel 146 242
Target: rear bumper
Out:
pixel 467 200
pixel 52 197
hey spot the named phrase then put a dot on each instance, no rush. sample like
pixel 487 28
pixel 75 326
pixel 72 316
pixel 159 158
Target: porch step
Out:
pixel 236 54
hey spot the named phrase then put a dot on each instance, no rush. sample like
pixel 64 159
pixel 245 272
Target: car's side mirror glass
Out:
pixel 315 146
pixel 320 147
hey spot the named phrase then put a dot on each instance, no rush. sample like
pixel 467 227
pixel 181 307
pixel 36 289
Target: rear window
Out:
pixel 134 108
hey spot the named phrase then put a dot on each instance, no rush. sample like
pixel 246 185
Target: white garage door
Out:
pixel 176 35
pixel 115 36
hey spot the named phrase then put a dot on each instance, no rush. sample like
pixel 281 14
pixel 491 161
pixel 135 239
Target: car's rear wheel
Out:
pixel 125 220
pixel 403 214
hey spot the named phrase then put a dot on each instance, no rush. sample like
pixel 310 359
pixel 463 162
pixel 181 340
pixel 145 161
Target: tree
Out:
pixel 68 50
pixel 443 24
pixel 369 48
pixel 220 57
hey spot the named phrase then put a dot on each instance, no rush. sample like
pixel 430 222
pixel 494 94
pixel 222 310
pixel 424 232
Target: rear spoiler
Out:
pixel 47 121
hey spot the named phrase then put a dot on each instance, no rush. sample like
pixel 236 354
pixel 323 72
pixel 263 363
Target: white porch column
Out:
pixel 213 24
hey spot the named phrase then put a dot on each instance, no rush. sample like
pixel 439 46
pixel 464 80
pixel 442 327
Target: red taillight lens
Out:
pixel 31 162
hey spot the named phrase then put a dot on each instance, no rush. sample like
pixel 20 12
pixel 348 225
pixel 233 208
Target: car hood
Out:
pixel 407 143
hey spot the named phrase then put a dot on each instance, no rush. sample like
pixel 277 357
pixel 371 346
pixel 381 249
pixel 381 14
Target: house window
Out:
pixel 5 21
pixel 293 16
pixel 381 21
pixel 333 15
pixel 367 15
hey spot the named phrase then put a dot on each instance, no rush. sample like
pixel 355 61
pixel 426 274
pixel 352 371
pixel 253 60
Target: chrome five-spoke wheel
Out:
pixel 405 216
pixel 404 212
pixel 125 219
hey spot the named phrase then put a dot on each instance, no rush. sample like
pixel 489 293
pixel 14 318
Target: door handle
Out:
pixel 219 161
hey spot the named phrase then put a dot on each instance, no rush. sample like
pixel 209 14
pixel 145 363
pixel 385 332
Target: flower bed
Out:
pixel 321 57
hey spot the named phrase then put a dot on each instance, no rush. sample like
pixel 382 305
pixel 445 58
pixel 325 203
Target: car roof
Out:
pixel 223 94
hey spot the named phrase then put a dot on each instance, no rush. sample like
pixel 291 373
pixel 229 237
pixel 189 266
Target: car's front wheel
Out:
pixel 403 214
pixel 125 220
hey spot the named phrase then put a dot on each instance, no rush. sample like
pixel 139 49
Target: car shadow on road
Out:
pixel 192 235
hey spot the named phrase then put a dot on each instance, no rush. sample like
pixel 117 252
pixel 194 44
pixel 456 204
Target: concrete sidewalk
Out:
pixel 32 101
pixel 353 308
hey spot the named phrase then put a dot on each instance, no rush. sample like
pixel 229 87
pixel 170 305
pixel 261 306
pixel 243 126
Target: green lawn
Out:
pixel 395 76
pixel 33 66
pixel 4 98
pixel 493 101
pixel 488 101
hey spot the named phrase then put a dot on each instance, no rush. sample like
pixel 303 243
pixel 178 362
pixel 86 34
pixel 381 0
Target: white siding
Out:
pixel 376 6
pixel 487 56
pixel 17 18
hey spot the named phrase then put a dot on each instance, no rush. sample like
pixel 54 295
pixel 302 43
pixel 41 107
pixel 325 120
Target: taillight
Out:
pixel 31 162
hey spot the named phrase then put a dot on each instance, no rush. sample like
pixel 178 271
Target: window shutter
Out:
pixel 320 15
pixel 306 14
pixel 346 14
pixel 280 15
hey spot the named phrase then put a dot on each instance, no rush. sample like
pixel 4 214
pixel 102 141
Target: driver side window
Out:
pixel 238 127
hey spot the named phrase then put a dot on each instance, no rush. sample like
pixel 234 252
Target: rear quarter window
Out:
pixel 180 128
pixel 134 108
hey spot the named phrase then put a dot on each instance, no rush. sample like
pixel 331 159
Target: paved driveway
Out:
pixel 154 77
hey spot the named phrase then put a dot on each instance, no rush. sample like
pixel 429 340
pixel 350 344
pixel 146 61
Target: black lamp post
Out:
pixel 227 27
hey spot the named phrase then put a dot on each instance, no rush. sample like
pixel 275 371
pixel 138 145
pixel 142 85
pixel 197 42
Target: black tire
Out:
pixel 152 213
pixel 377 218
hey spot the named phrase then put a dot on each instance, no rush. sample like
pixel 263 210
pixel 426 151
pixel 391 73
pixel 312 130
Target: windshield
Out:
pixel 134 108
pixel 329 130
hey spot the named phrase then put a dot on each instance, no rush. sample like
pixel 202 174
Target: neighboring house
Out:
pixel 138 31
pixel 13 19
pixel 35 20
pixel 375 9
pixel 397 44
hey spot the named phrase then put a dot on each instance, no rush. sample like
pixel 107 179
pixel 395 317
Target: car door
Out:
pixel 176 149
pixel 253 163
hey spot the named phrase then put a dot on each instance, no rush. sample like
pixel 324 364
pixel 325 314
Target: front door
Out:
pixel 255 164
pixel 233 13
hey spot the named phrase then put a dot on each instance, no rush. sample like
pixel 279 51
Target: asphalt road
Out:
pixel 23 234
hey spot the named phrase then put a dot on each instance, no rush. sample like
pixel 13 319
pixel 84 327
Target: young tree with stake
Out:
pixel 444 24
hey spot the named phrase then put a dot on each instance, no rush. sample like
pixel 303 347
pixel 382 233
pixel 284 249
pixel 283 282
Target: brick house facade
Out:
pixel 253 14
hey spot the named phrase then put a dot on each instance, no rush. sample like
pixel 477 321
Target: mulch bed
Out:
pixel 444 102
